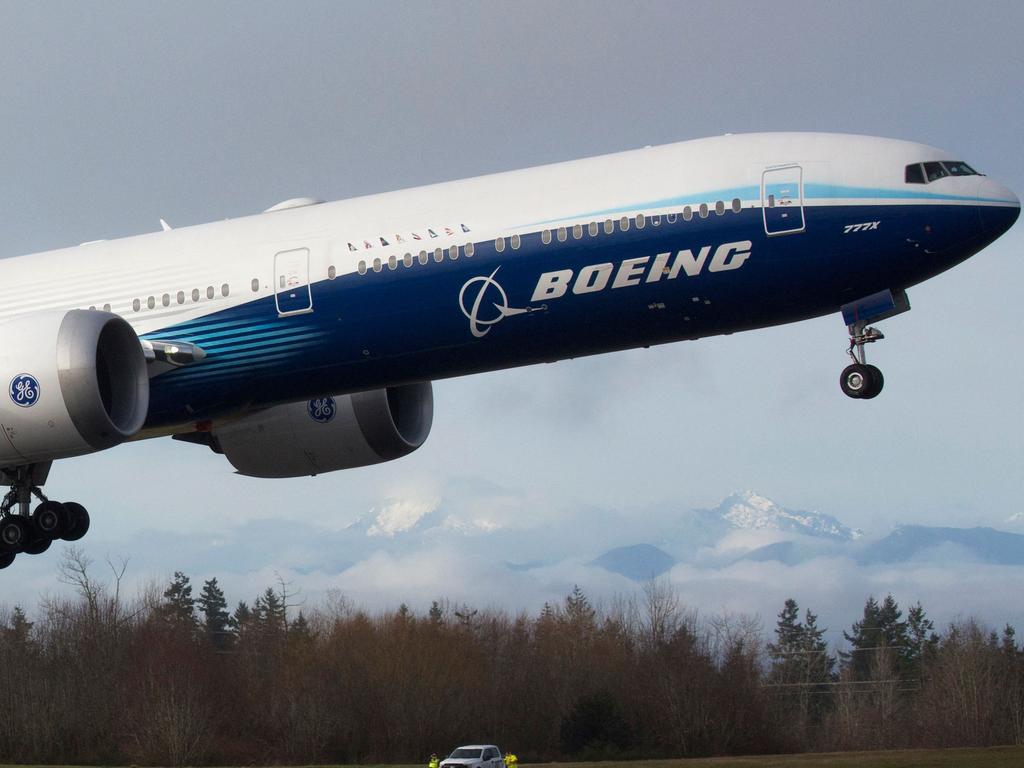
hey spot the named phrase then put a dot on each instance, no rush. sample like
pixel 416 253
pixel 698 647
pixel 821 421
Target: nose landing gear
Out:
pixel 32 534
pixel 860 380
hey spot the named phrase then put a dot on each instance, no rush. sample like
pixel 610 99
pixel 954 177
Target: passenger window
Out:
pixel 209 292
pixel 719 208
pixel 256 284
pixel 166 299
pixel 471 249
pixel 392 262
pixel 624 223
pixel 671 218
pixel 577 231
pixel 195 294
pixel 407 259
pixel 136 305
pixel 592 229
pixel 181 297
pixel 914 174
pixel 151 302
pixel 225 290
pixel 655 221
pixel 106 307
pixel 424 258
pixel 934 171
pixel 609 226
pixel 545 236
pixel 687 213
pixel 499 244
pixel 703 210
pixel 361 268
pixel 640 221
pixel 453 253
pixel 376 265
pixel 737 205
pixel 331 274
pixel 516 242
pixel 439 254
pixel 562 234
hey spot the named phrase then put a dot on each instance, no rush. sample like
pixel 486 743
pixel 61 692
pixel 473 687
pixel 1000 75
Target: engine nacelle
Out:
pixel 76 382
pixel 328 434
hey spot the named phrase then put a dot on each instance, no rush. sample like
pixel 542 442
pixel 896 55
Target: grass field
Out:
pixel 995 757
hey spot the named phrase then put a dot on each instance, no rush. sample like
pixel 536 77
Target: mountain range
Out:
pixel 702 536
pixel 745 526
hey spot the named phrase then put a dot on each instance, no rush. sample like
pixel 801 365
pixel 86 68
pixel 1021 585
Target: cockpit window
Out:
pixel 959 168
pixel 925 173
pixel 914 174
pixel 934 171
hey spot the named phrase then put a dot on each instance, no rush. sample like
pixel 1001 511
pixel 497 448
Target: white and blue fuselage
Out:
pixel 644 247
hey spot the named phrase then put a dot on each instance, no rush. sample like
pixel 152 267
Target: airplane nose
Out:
pixel 998 207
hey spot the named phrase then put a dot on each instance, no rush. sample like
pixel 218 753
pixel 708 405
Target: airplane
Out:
pixel 304 339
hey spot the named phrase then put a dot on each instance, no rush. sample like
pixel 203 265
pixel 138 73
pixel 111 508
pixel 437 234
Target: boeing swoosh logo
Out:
pixel 480 326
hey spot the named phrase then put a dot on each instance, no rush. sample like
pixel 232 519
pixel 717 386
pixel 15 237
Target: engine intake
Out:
pixel 77 383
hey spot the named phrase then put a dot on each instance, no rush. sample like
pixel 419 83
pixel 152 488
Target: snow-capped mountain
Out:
pixel 751 511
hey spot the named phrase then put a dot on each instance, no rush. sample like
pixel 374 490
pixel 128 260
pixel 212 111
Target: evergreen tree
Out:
pixel 269 612
pixel 436 614
pixel 922 640
pixel 881 632
pixel 800 663
pixel 788 633
pixel 216 620
pixel 179 605
pixel 299 632
pixel 1009 643
pixel 20 629
pixel 242 618
pixel 578 610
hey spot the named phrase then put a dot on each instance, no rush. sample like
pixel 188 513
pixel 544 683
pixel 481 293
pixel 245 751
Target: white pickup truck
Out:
pixel 474 756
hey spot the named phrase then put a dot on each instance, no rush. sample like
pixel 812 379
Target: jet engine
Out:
pixel 76 383
pixel 327 434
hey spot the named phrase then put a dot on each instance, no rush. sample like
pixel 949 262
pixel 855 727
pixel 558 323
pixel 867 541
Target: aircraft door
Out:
pixel 782 200
pixel 291 282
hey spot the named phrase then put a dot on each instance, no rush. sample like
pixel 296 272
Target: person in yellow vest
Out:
pixel 511 761
pixel 434 762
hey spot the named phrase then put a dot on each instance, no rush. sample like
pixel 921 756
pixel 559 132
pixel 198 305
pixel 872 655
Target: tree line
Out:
pixel 176 676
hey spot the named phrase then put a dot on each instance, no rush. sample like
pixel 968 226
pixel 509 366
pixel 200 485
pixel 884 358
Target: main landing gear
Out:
pixel 33 533
pixel 860 380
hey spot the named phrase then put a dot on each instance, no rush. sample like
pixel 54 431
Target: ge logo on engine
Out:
pixel 322 410
pixel 24 390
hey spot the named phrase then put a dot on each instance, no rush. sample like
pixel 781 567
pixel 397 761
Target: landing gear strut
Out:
pixel 860 380
pixel 32 534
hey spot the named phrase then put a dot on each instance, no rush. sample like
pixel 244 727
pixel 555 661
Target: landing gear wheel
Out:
pixel 48 519
pixel 15 532
pixel 37 546
pixel 877 382
pixel 77 519
pixel 6 558
pixel 856 380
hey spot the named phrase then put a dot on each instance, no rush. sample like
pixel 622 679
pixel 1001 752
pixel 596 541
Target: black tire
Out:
pixel 15 532
pixel 6 558
pixel 37 545
pixel 855 380
pixel 79 519
pixel 877 382
pixel 49 519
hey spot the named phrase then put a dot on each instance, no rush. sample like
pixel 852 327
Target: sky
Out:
pixel 115 115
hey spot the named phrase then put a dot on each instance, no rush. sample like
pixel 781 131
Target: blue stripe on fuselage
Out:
pixel 372 330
